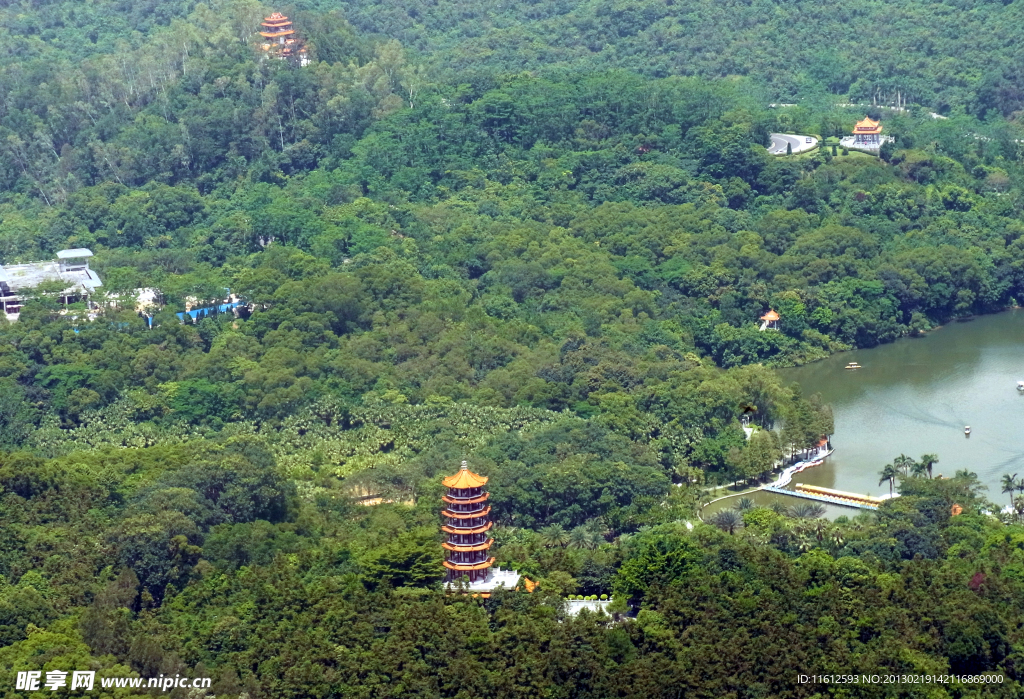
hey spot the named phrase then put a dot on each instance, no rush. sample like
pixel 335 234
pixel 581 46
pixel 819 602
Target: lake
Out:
pixel 915 396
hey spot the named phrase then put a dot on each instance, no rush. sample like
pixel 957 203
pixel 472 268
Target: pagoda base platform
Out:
pixel 495 578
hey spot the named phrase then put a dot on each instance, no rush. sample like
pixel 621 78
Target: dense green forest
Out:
pixel 536 237
pixel 959 57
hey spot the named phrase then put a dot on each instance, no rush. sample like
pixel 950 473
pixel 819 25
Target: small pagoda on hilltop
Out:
pixel 867 133
pixel 468 520
pixel 281 41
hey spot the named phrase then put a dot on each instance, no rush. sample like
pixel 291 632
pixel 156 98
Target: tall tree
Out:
pixel 1010 484
pixel 889 473
pixel 903 463
pixel 929 460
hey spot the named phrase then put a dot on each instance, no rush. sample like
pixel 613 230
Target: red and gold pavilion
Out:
pixel 468 521
pixel 867 133
pixel 281 39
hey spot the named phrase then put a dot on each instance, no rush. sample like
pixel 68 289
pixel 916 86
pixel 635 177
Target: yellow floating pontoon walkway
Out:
pixel 834 497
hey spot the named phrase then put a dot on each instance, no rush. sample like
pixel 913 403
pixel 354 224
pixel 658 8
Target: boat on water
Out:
pixel 967 430
pixel 855 365
pixel 1020 385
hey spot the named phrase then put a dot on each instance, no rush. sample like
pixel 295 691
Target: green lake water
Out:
pixel 914 397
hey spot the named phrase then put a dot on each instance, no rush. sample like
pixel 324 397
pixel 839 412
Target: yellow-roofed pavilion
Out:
pixel 867 132
pixel 770 320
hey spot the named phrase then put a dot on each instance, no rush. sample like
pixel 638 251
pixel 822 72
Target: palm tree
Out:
pixel 554 535
pixel 918 469
pixel 929 460
pixel 1018 506
pixel 970 478
pixel 903 463
pixel 779 508
pixel 1010 485
pixel 808 510
pixel 745 504
pixel 726 520
pixel 579 537
pixel 803 542
pixel 889 473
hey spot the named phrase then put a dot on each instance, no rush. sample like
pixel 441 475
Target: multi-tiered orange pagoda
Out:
pixel 867 133
pixel 281 39
pixel 468 521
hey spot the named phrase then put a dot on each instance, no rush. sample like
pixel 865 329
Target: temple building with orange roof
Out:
pixel 770 321
pixel 867 132
pixel 866 135
pixel 467 526
pixel 281 40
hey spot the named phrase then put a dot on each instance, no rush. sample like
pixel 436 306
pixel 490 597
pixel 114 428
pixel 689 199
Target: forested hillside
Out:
pixel 535 237
pixel 953 56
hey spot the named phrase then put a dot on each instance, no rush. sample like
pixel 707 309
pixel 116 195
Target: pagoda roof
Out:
pixel 468 547
pixel 465 479
pixel 466 501
pixel 272 35
pixel 470 566
pixel 867 125
pixel 475 530
pixel 770 316
pixel 466 515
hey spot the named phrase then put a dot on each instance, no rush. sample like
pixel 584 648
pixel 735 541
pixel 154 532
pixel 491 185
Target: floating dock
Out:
pixel 833 497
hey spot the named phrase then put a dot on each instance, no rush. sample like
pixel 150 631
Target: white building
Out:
pixel 71 267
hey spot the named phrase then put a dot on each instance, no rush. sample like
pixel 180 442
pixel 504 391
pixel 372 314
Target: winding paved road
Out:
pixel 799 143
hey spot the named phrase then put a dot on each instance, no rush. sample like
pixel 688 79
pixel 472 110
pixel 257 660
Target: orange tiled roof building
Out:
pixel 770 321
pixel 467 517
pixel 281 39
pixel 867 132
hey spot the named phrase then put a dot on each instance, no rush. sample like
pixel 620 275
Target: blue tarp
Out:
pixel 198 313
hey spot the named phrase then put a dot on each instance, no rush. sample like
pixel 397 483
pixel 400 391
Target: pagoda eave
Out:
pixel 475 530
pixel 468 548
pixel 451 514
pixel 274 35
pixel 467 501
pixel 469 566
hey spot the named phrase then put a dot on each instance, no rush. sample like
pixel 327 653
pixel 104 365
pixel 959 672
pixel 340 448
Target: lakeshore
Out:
pixel 915 396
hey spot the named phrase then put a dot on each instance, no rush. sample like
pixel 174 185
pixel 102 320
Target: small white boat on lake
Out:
pixel 967 430
pixel 855 365
pixel 1020 385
